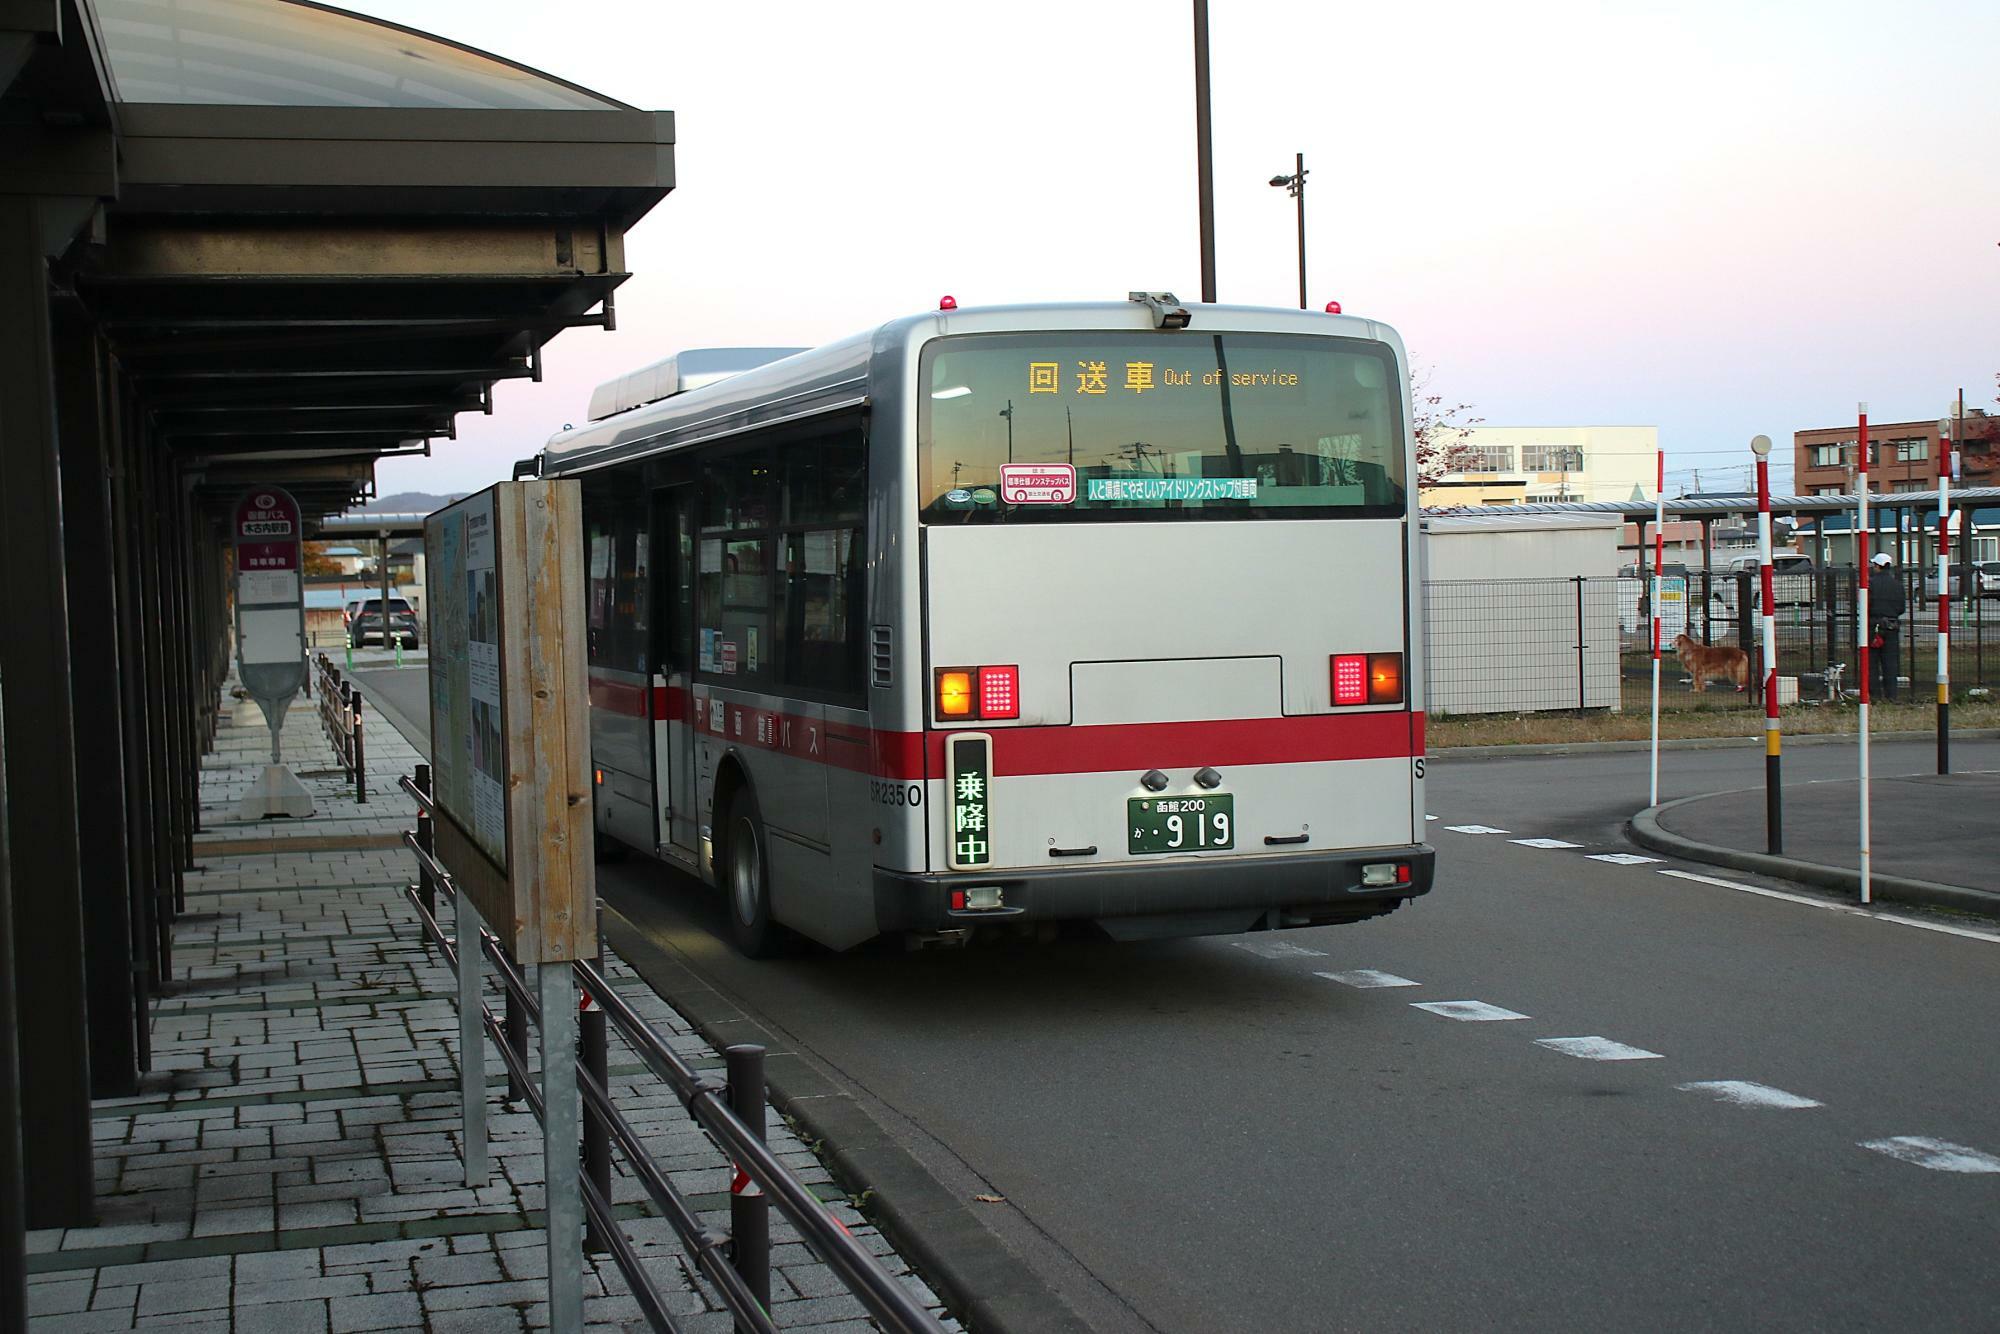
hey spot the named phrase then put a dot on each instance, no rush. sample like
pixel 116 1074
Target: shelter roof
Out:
pixel 313 238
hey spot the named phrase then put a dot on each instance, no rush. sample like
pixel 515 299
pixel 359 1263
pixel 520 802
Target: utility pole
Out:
pixel 1204 170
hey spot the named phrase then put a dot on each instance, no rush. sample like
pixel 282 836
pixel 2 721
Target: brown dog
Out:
pixel 1706 662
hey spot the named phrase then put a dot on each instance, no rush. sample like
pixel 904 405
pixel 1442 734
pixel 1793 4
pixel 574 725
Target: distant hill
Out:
pixel 411 502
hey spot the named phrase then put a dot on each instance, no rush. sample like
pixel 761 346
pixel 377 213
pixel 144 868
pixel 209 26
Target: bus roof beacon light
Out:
pixel 1333 308
pixel 1168 312
pixel 948 303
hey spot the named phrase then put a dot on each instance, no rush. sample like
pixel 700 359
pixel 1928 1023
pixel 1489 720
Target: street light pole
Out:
pixel 1204 162
pixel 1295 185
pixel 1774 824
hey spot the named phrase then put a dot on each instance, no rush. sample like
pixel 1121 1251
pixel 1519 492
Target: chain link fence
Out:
pixel 1583 643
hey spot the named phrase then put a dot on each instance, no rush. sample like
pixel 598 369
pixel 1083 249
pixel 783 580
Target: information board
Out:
pixel 510 745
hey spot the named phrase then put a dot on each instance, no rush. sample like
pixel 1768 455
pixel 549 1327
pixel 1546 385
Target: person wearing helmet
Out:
pixel 1887 602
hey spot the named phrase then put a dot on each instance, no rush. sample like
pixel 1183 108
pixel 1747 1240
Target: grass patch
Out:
pixel 1519 729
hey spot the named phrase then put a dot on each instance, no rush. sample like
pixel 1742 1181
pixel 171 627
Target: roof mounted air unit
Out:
pixel 679 373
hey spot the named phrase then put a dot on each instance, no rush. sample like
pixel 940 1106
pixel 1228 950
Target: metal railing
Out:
pixel 737 1265
pixel 340 719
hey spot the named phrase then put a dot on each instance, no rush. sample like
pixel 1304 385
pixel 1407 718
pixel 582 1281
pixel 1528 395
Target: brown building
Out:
pixel 1904 456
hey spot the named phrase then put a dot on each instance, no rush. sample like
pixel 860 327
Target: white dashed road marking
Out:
pixel 1475 829
pixel 1366 978
pixel 1969 933
pixel 1278 949
pixel 1937 1154
pixel 1621 858
pixel 1743 1093
pixel 1430 817
pixel 1598 1049
pixel 1550 843
pixel 1476 1011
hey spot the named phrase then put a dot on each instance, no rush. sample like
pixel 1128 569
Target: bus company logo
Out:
pixel 1037 483
pixel 266 501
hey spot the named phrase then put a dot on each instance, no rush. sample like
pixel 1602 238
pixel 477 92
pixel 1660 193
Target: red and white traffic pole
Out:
pixel 1774 816
pixel 1944 597
pixel 1659 554
pixel 1864 552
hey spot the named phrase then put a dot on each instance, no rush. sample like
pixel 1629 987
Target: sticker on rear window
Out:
pixel 1173 488
pixel 1037 483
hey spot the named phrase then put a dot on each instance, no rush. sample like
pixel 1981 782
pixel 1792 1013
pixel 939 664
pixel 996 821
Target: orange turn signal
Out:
pixel 1385 678
pixel 954 692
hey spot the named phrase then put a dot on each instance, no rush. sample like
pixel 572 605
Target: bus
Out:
pixel 1014 621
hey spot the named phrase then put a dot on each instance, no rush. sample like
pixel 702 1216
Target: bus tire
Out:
pixel 746 879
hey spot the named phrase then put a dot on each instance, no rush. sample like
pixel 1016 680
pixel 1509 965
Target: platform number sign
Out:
pixel 969 771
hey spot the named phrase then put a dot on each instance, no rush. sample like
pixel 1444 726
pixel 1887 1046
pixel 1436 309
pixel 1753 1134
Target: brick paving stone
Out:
pixel 291 1162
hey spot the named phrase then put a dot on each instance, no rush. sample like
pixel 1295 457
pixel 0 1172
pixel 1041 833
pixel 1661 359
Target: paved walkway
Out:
pixel 292 1161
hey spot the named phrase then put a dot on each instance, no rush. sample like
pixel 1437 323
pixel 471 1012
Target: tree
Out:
pixel 317 561
pixel 1441 431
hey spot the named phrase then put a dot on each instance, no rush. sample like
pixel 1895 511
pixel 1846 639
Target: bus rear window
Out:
pixel 1059 427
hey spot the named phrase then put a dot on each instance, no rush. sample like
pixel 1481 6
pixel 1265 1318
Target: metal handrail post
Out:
pixel 749 1211
pixel 471 1042
pixel 561 1166
pixel 593 1050
pixel 427 843
pixel 360 770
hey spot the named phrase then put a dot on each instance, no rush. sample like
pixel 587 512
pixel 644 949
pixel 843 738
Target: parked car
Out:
pixel 347 614
pixel 1792 582
pixel 366 623
pixel 1986 578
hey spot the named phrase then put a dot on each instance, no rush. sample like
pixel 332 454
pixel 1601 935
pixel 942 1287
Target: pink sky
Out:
pixel 1715 218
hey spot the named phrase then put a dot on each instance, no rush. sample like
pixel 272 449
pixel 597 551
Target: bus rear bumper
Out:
pixel 1201 895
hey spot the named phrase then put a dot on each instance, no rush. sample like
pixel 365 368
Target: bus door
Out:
pixel 673 666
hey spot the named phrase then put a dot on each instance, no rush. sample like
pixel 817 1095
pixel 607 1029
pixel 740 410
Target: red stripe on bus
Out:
pixel 1218 743
pixel 1020 751
pixel 670 704
pixel 618 697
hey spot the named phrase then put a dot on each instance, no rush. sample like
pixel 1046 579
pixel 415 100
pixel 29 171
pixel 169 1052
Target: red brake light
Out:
pixel 1000 692
pixel 1350 678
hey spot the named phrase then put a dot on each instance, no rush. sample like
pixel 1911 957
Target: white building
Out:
pixel 1532 465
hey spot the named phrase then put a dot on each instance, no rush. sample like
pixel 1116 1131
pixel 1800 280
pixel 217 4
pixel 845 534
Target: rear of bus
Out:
pixel 1171 675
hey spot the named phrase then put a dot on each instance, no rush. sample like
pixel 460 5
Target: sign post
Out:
pixel 1774 810
pixel 270 635
pixel 510 779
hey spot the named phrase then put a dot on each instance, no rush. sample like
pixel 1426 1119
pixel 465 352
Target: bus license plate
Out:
pixel 1180 824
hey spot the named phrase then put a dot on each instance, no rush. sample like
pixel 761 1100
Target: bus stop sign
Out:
pixel 271 625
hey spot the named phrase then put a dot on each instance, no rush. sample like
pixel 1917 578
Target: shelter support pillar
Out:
pixel 116 1010
pixel 41 755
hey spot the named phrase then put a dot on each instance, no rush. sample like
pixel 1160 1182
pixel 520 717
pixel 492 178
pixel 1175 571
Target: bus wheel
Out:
pixel 747 879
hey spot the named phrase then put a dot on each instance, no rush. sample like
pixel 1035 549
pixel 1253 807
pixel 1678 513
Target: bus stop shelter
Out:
pixel 242 242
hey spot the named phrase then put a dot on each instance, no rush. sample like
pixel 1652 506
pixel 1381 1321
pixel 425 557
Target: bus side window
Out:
pixel 826 490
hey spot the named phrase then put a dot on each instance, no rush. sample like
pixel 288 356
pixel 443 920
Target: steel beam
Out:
pixel 41 755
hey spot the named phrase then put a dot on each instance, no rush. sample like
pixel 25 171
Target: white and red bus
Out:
pixel 1011 618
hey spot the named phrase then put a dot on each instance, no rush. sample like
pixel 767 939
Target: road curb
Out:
pixel 1507 751
pixel 981 1280
pixel 1647 832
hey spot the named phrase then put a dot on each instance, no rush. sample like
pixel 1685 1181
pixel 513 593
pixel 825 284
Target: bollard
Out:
pixel 427 840
pixel 749 1211
pixel 399 650
pixel 360 773
pixel 593 1051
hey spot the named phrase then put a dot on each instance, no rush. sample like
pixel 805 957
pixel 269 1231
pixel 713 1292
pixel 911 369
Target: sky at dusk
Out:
pixel 1717 218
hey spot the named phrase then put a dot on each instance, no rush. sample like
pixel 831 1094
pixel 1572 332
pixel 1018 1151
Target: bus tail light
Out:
pixel 1000 692
pixel 1350 678
pixel 1367 678
pixel 1380 875
pixel 965 693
